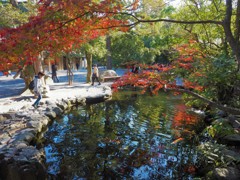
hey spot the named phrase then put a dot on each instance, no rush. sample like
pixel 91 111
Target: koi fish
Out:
pixel 177 140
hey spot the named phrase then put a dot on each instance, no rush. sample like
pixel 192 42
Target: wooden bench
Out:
pixel 110 78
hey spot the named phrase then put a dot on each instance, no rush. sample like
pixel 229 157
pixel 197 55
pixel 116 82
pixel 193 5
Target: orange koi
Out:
pixel 177 140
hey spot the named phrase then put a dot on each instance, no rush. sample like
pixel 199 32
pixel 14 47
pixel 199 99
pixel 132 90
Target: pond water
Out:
pixel 132 136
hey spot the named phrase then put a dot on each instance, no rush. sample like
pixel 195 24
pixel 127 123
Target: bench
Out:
pixel 110 78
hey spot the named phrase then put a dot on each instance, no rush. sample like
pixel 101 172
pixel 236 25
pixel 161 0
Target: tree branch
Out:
pixel 230 110
pixel 68 21
pixel 181 22
pixel 138 20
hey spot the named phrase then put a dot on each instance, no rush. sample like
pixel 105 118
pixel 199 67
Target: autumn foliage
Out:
pixel 60 25
pixel 187 65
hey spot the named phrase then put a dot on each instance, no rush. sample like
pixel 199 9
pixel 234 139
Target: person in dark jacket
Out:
pixel 54 73
pixel 77 66
pixel 135 69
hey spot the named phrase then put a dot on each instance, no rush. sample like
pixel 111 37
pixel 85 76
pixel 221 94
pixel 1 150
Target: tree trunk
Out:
pixel 89 66
pixel 231 110
pixel 108 46
pixel 27 74
pixel 69 71
pixel 38 67
pixel 233 42
pixel 14 3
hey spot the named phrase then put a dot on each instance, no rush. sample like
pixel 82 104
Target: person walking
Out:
pixel 54 73
pixel 77 66
pixel 38 88
pixel 95 75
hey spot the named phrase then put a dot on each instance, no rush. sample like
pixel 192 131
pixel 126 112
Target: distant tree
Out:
pixel 217 13
pixel 95 48
pixel 130 47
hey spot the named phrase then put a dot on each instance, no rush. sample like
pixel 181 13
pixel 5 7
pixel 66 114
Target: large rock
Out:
pixel 51 114
pixel 62 105
pixel 2 118
pixel 57 110
pixel 226 173
pixel 232 139
pixel 108 73
pixel 22 162
pixel 234 121
pixel 18 170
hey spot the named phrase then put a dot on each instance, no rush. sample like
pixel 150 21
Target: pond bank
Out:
pixel 221 149
pixel 21 124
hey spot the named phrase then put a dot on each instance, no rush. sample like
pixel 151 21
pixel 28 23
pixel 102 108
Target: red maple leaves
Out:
pixel 58 26
pixel 187 67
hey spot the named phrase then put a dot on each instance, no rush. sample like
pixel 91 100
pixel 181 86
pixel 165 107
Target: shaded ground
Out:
pixel 10 87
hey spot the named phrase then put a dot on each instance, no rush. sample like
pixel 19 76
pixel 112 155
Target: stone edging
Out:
pixel 19 159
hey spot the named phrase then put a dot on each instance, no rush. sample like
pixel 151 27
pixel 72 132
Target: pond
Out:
pixel 132 136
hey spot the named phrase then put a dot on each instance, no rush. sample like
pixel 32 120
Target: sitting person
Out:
pixel 135 69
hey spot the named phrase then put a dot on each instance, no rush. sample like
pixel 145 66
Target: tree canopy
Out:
pixel 60 24
pixel 57 27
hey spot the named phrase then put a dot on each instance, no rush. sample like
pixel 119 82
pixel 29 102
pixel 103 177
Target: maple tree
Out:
pixel 190 65
pixel 58 26
pixel 194 65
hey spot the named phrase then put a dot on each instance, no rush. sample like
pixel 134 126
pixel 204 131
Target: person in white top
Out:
pixel 95 75
pixel 38 87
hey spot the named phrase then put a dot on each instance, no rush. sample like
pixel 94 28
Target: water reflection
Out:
pixel 131 137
